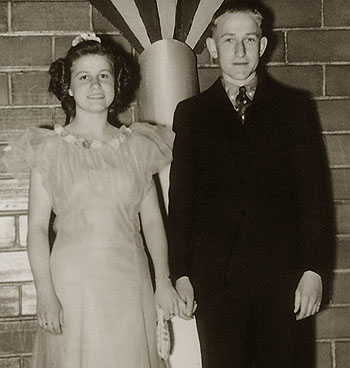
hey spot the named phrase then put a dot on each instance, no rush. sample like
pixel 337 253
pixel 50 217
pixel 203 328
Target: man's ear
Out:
pixel 263 45
pixel 70 92
pixel 211 45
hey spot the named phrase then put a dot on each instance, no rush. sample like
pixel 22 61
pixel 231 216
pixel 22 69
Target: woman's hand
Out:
pixel 166 297
pixel 50 313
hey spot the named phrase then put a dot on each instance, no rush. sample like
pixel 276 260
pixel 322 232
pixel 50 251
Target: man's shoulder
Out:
pixel 199 100
pixel 197 109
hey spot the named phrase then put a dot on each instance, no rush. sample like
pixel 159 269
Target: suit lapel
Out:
pixel 262 117
pixel 265 107
pixel 225 116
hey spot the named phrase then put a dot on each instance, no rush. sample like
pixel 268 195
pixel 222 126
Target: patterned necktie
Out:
pixel 242 103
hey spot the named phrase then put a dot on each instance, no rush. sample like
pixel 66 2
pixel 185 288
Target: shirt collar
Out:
pixel 232 89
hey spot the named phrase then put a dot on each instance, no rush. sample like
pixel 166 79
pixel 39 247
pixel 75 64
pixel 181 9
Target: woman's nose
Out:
pixel 95 82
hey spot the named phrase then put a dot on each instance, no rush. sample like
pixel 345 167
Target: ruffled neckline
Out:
pixel 77 140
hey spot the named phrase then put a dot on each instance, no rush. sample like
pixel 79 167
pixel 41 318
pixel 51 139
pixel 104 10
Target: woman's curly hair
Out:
pixel 126 76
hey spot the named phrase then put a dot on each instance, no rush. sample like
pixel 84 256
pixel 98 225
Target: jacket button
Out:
pixel 242 213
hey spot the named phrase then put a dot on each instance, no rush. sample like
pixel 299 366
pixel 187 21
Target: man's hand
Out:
pixel 308 295
pixel 185 290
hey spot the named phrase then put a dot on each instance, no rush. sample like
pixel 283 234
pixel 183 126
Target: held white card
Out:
pixel 185 351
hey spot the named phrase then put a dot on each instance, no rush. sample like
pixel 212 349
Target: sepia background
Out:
pixel 312 52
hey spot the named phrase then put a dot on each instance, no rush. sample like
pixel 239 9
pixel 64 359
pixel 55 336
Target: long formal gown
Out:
pixel 98 263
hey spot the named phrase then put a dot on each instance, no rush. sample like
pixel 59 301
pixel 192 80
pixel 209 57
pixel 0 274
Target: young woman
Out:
pixel 95 302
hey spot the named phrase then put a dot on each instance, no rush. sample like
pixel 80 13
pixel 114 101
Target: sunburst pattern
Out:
pixel 144 22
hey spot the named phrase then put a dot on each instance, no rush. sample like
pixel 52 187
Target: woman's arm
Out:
pixel 154 232
pixel 49 309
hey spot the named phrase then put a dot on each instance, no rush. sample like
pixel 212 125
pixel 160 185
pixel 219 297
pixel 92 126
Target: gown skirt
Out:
pixel 99 267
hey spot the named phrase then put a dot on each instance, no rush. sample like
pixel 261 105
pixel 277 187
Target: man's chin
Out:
pixel 239 76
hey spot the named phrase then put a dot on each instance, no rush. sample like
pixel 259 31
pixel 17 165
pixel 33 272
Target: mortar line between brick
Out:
pixel 16 283
pixel 323 80
pixel 19 355
pixel 16 107
pixel 285 46
pixel 20 299
pixel 329 28
pixel 337 167
pixel 17 241
pixel 12 212
pixel 333 356
pixel 342 201
pixel 9 16
pixel 345 236
pixel 90 18
pixel 14 250
pixel 338 306
pixel 53 46
pixel 50 33
pixel 9 88
pixel 7 69
pixel 336 132
pixel 28 318
pixel 322 13
pixel 285 63
pixel 330 98
pixel 329 340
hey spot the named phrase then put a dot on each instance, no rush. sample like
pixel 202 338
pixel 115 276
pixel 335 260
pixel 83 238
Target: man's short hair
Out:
pixel 239 6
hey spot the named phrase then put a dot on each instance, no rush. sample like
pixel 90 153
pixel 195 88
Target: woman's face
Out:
pixel 92 83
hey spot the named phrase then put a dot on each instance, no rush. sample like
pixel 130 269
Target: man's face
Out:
pixel 237 44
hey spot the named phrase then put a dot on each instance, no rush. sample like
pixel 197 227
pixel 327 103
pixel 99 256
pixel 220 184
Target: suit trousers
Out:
pixel 246 319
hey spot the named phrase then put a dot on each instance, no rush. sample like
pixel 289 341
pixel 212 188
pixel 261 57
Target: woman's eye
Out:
pixel 104 76
pixel 83 77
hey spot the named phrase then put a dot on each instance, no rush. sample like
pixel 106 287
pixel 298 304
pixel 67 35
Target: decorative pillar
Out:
pixel 168 75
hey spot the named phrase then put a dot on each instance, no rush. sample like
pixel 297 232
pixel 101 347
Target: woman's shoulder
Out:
pixel 151 146
pixel 38 131
pixel 151 134
pixel 30 149
pixel 31 138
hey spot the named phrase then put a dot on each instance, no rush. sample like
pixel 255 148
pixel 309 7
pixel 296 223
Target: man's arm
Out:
pixel 315 210
pixel 181 198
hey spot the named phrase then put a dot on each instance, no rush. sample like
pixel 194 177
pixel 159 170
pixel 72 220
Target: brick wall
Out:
pixel 312 52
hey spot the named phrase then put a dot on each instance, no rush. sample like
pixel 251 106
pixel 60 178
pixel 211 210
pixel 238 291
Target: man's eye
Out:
pixel 251 39
pixel 228 40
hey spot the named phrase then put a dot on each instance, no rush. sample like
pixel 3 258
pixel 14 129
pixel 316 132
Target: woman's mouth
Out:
pixel 96 96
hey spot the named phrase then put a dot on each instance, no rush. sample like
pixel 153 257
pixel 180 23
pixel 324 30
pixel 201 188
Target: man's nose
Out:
pixel 240 49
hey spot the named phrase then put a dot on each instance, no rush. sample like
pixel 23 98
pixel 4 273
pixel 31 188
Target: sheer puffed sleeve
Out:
pixel 31 150
pixel 152 149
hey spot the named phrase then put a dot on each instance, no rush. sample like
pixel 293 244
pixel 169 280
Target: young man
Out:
pixel 249 204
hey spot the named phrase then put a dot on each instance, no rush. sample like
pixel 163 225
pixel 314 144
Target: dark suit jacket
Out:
pixel 272 172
